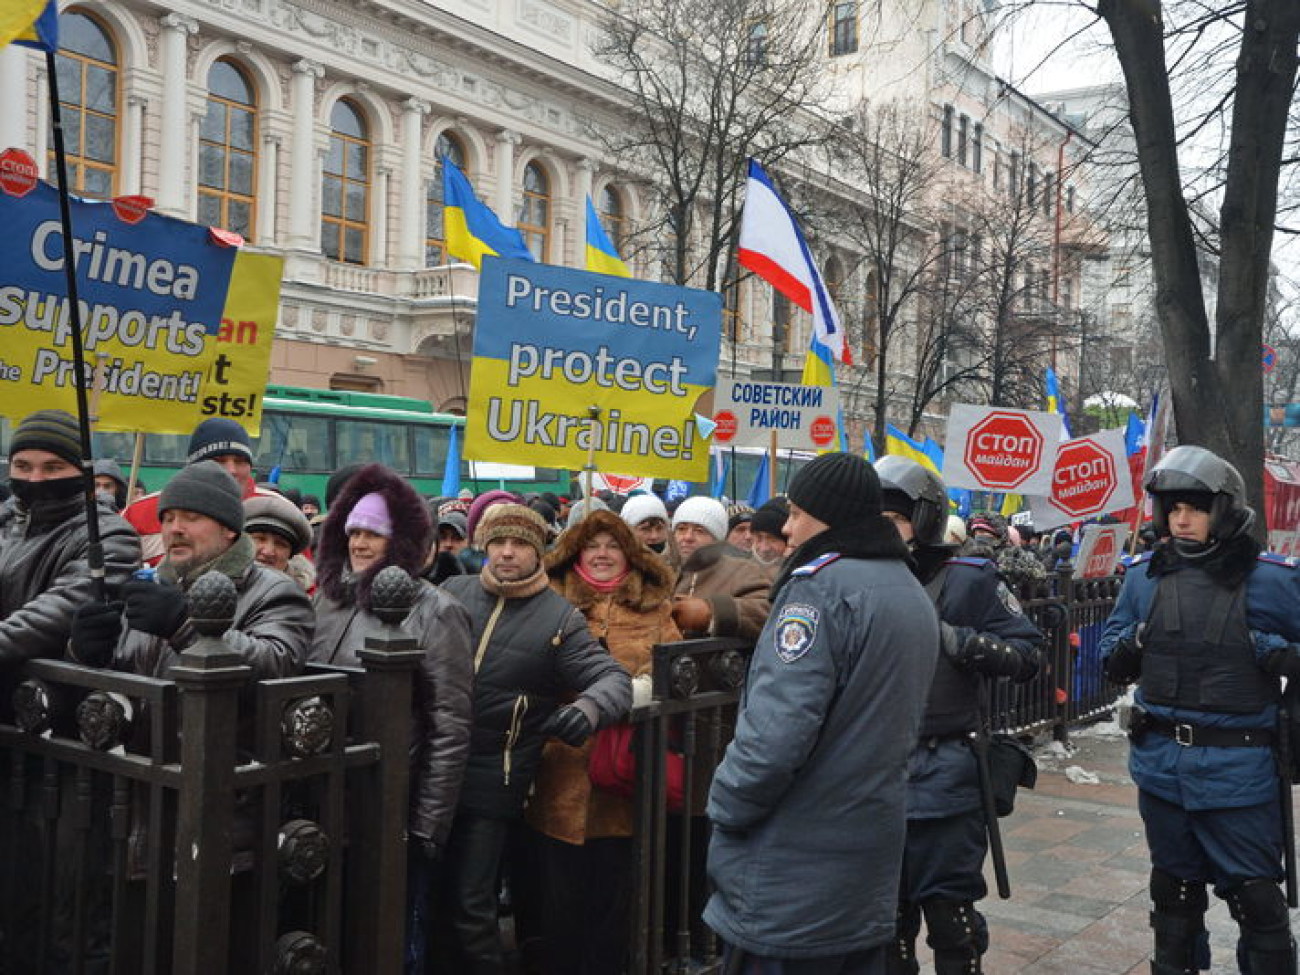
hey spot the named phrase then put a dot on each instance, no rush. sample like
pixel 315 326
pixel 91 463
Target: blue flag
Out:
pixel 1135 434
pixel 762 489
pixel 451 471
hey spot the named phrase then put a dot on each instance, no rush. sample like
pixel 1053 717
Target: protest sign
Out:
pixel 551 343
pixel 993 449
pixel 1091 477
pixel 156 325
pixel 748 413
pixel 1100 549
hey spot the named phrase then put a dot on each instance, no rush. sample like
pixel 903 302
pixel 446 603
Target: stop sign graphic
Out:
pixel 1084 479
pixel 1003 450
pixel 18 172
pixel 726 426
pixel 822 431
pixel 1102 559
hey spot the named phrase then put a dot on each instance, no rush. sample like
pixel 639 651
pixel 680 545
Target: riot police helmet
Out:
pixel 921 491
pixel 1192 470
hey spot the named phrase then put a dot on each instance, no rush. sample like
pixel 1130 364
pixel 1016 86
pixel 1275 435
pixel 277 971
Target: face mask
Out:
pixel 34 494
pixel 659 547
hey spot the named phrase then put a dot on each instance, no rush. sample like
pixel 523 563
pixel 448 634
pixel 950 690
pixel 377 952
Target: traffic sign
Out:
pixel 1084 478
pixel 725 428
pixel 822 431
pixel 1004 449
pixel 18 173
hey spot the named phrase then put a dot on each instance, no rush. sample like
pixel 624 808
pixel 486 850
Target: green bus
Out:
pixel 307 434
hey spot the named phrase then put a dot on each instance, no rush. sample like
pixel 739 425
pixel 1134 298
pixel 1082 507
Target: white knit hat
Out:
pixel 642 507
pixel 705 512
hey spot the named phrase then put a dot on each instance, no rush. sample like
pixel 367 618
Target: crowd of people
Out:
pixel 878 619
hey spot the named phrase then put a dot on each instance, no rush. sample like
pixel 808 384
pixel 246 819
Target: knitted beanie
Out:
pixel 52 430
pixel 705 512
pixel 217 437
pixel 207 489
pixel 370 514
pixel 279 516
pixel 840 489
pixel 770 518
pixel 484 501
pixel 580 509
pixel 738 513
pixel 642 507
pixel 512 521
pixel 456 521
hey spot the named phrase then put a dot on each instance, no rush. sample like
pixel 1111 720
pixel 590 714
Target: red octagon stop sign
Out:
pixel 1003 450
pixel 726 426
pixel 1084 478
pixel 18 172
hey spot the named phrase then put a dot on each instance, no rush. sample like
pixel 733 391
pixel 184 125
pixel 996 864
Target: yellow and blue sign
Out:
pixel 553 342
pixel 173 333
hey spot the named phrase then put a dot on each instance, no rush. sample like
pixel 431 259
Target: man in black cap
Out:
pixel 44 575
pixel 832 703
pixel 216 439
pixel 202 531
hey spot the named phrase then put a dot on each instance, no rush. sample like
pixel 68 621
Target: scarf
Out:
pixel 233 562
pixel 874 538
pixel 516 589
pixel 1228 563
pixel 601 587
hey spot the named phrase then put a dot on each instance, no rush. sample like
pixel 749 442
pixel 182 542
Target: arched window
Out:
pixel 733 314
pixel 228 151
pixel 613 218
pixel 435 244
pixel 87 75
pixel 345 189
pixel 535 212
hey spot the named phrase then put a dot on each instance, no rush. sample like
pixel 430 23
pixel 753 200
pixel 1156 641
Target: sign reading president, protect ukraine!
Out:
pixel 151 290
pixel 552 342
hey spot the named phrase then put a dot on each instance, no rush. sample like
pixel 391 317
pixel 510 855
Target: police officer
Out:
pixel 1206 624
pixel 984 635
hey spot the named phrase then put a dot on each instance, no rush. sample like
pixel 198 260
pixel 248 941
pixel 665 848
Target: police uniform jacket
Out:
pixel 808 802
pixel 1203 777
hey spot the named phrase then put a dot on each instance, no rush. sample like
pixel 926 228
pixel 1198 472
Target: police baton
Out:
pixel 979 745
pixel 1284 760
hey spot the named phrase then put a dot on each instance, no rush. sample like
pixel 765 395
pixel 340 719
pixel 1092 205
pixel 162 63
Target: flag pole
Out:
pixel 593 412
pixel 94 547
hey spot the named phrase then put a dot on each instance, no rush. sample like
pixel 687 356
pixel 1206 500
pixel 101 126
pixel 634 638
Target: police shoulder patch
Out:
pixel 1009 600
pixel 1272 558
pixel 817 564
pixel 795 631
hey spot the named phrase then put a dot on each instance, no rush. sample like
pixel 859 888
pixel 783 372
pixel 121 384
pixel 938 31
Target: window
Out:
pixel 366 442
pixel 782 332
pixel 1049 179
pixel 963 124
pixel 1013 176
pixel 228 151
pixel 435 245
pixel 345 189
pixel 977 148
pixel 535 212
pixel 1032 187
pixel 996 152
pixel 431 444
pixel 1069 199
pixel 756 44
pixel 87 75
pixel 612 217
pixel 733 316
pixel 293 442
pixel 844 27
pixel 946 132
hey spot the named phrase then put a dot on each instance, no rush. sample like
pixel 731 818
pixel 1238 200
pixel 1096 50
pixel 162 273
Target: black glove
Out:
pixel 988 656
pixel 569 724
pixel 1277 657
pixel 155 607
pixel 95 629
pixel 1124 665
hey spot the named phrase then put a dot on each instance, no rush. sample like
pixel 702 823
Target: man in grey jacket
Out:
pixel 808 804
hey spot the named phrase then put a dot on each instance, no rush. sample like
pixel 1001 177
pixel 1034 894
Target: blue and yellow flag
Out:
pixel 472 229
pixel 31 23
pixel 601 255
pixel 1054 403
pixel 901 445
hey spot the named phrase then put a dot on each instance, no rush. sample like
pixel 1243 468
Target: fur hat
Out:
pixel 512 521
pixel 206 488
pixel 279 516
pixel 52 430
pixel 841 489
pixel 705 512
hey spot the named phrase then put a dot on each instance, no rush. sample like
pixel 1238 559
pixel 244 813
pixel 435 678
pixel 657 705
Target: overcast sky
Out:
pixel 1056 45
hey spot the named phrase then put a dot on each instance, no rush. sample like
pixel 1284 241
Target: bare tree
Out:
pixel 711 84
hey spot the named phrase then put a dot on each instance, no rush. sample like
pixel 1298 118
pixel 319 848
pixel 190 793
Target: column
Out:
pixel 379 220
pixel 505 207
pixel 131 165
pixel 411 229
pixel 13 107
pixel 586 169
pixel 174 129
pixel 267 167
pixel 303 222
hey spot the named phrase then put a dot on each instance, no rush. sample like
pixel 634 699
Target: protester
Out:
pixel 202 531
pixel 533 651
pixel 990 538
pixel 378 521
pixel 739 524
pixel 110 484
pixel 310 506
pixel 719 591
pixel 279 531
pixel 831 707
pixel 44 572
pixel 984 636
pixel 1206 625
pixel 767 530
pixel 585 849
pixel 646 515
pixel 956 531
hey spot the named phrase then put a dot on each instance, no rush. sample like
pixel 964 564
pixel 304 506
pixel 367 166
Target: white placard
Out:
pixel 993 449
pixel 803 417
pixel 1091 477
pixel 1100 549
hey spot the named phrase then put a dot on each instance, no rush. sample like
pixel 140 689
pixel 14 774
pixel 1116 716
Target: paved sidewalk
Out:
pixel 1079 871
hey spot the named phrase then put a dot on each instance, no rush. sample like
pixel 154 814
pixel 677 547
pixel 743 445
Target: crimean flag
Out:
pixel 773 247
pixel 31 23
pixel 1054 402
pixel 601 255
pixel 472 229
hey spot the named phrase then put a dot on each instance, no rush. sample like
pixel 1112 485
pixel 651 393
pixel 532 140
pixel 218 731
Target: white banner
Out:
pixel 993 449
pixel 803 417
pixel 1100 549
pixel 1090 478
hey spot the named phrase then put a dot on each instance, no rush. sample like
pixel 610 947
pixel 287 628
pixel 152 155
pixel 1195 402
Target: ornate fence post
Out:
pixel 210 677
pixel 1064 651
pixel 390 659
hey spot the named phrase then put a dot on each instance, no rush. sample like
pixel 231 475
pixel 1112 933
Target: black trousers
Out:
pixel 585 905
pixel 466 937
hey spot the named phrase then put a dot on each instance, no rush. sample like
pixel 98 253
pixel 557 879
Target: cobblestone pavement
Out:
pixel 1079 868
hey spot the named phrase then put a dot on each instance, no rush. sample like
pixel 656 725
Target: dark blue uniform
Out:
pixel 1211 811
pixel 946 835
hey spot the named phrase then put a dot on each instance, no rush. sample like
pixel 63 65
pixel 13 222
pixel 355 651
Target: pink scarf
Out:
pixel 601 587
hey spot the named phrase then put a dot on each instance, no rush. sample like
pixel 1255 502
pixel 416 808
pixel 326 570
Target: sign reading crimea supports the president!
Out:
pixel 174 334
pixel 1091 477
pixel 552 342
pixel 747 413
pixel 994 449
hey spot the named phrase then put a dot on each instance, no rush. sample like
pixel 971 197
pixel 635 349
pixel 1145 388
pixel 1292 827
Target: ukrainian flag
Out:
pixel 1054 405
pixel 31 23
pixel 601 255
pixel 901 445
pixel 819 370
pixel 472 229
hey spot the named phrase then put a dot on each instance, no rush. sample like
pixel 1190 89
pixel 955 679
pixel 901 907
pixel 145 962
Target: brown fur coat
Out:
pixel 630 621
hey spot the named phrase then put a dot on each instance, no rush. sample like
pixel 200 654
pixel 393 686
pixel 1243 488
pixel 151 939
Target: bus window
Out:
pixel 294 443
pixel 431 445
pixel 166 449
pixel 367 442
pixel 115 445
